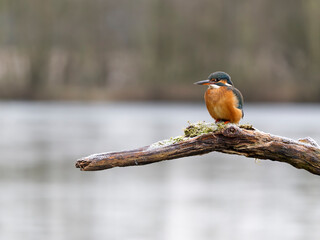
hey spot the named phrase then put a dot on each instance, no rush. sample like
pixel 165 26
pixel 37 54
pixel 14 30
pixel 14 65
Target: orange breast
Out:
pixel 222 104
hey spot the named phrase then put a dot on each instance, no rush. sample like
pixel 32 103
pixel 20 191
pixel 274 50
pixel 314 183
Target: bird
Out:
pixel 224 102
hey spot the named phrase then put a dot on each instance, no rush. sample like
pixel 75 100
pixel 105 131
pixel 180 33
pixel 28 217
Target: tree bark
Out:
pixel 232 139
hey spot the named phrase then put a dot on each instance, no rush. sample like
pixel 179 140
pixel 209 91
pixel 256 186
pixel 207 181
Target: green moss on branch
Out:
pixel 192 130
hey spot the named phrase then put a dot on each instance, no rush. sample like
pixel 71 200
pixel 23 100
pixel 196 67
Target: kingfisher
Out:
pixel 224 102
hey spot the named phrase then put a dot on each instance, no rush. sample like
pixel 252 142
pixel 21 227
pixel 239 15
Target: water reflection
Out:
pixel 215 196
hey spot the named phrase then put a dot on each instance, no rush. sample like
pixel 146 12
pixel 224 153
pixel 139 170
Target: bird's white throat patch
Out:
pixel 213 86
pixel 217 86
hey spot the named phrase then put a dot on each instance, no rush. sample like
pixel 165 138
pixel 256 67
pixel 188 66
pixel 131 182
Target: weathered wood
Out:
pixel 232 139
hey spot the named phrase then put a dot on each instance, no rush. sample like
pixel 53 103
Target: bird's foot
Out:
pixel 221 120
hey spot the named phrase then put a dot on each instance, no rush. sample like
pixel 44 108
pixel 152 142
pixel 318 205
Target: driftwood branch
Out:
pixel 232 139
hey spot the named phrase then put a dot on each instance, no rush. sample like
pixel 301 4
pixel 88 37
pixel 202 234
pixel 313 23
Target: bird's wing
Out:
pixel 238 95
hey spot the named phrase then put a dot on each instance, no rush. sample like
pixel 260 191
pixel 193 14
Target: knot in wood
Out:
pixel 231 131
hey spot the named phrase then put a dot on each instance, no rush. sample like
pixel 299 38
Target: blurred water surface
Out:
pixel 214 196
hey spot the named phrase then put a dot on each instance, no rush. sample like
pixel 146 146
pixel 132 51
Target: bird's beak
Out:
pixel 203 82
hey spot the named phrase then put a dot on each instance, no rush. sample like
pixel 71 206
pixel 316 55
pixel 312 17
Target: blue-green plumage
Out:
pixel 238 95
pixel 220 76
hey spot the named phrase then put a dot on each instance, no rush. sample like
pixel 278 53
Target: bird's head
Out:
pixel 216 79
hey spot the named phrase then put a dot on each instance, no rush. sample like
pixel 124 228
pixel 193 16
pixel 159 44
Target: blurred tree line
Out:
pixel 156 49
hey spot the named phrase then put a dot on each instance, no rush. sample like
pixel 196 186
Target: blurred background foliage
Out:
pixel 156 49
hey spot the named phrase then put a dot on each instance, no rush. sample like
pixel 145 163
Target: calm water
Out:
pixel 215 196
